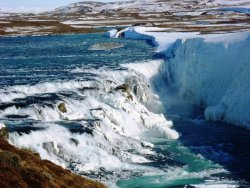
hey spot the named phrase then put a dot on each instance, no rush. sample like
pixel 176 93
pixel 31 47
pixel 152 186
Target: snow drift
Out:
pixel 212 71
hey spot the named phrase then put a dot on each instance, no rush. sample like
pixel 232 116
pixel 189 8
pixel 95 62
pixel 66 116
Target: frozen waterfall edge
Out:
pixel 211 71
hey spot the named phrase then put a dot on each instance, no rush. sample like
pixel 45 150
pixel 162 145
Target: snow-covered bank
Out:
pixel 212 71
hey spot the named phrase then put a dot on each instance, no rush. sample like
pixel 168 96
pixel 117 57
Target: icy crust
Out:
pixel 112 33
pixel 211 71
pixel 164 40
pixel 91 127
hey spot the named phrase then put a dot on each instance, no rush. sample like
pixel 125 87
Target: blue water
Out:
pixel 198 157
pixel 50 58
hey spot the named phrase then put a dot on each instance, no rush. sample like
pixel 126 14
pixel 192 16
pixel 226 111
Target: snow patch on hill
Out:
pixel 147 6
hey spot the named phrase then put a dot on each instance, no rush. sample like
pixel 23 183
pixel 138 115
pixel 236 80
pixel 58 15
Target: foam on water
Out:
pixel 8 94
pixel 110 127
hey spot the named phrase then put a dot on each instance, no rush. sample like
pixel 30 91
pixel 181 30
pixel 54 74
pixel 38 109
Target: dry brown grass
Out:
pixel 55 27
pixel 2 32
pixel 24 169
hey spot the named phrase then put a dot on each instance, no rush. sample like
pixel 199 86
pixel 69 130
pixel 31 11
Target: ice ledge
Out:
pixel 211 70
pixel 163 39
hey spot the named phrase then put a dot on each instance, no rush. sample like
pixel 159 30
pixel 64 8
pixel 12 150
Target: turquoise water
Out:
pixel 207 153
pixel 203 149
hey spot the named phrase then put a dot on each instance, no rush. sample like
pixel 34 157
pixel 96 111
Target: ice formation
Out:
pixel 103 125
pixel 212 71
pixel 111 33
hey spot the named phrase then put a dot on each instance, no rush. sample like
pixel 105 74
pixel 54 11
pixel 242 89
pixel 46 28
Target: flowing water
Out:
pixel 63 97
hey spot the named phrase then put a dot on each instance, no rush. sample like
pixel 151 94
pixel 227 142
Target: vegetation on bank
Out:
pixel 24 169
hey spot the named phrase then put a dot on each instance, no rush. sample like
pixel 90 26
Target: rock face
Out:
pixel 4 134
pixel 125 88
pixel 62 107
pixel 23 169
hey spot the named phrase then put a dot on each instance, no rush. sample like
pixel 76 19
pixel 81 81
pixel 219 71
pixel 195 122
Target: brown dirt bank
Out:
pixel 25 169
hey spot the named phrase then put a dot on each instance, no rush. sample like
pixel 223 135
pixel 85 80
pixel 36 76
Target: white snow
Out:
pixel 163 40
pixel 148 68
pixel 194 13
pixel 151 6
pixel 211 70
pixel 112 33
pixel 27 29
pixel 4 22
pixel 226 38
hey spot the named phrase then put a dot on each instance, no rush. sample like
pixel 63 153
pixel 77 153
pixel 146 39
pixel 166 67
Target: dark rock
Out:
pixel 73 140
pixel 204 13
pixel 167 13
pixel 85 9
pixel 126 89
pixel 102 169
pixel 139 24
pixel 130 97
pixel 122 35
pixel 4 133
pixel 16 116
pixel 62 107
pixel 123 87
pixel 108 12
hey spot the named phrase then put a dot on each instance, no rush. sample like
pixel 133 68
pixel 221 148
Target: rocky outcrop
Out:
pixel 4 134
pixel 125 88
pixel 23 169
pixel 62 107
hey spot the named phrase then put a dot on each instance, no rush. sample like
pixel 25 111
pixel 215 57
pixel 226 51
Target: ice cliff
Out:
pixel 212 71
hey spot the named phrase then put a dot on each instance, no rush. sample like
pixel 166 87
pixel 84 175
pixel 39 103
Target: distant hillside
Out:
pixel 89 17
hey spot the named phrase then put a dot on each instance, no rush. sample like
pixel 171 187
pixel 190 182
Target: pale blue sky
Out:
pixel 37 4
